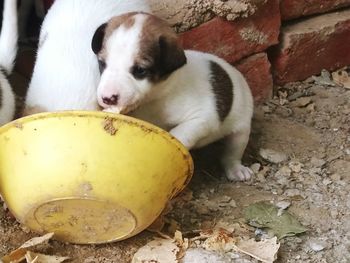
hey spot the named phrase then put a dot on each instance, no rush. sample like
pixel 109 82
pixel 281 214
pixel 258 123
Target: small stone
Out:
pixel 273 156
pixel 317 245
pixel 334 214
pixel 327 181
pixel 310 122
pixel 324 79
pixel 348 204
pixel 226 199
pixel 284 111
pixel 315 171
pixel 311 107
pixel 203 210
pixel 295 166
pixel 255 167
pixel 24 229
pixel 261 177
pixel 195 255
pixel 282 180
pixel 266 109
pixel 335 177
pixel 301 102
pixel 203 196
pixel 317 162
pixel 292 192
pixel 283 204
pixel 206 225
pixel 285 171
pixel 279 191
pixel 233 203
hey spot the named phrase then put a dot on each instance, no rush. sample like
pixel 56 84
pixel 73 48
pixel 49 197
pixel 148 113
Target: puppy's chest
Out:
pixel 164 114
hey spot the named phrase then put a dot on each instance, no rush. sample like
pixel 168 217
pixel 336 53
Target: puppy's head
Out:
pixel 135 51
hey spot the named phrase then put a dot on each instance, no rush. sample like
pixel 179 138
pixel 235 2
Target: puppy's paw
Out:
pixel 238 172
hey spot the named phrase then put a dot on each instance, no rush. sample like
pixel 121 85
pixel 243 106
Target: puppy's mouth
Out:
pixel 116 110
pixel 122 110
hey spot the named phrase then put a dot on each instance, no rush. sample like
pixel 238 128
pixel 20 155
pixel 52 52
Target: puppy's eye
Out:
pixel 101 65
pixel 139 72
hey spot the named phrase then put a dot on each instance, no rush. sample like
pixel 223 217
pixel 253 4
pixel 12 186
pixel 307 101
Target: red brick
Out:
pixel 309 46
pixel 295 8
pixel 257 70
pixel 239 38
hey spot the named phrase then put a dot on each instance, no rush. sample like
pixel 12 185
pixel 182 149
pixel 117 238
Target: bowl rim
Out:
pixel 18 124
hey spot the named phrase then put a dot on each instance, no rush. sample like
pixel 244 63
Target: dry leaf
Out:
pixel 265 251
pixel 19 254
pixel 32 257
pixel 158 250
pixel 183 244
pixel 342 78
pixel 37 241
pixel 266 215
pixel 219 240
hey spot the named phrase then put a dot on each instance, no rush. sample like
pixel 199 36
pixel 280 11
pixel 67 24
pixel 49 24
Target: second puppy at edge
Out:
pixel 198 97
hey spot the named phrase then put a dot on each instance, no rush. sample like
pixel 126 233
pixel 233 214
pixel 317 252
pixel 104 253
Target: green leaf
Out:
pixel 265 215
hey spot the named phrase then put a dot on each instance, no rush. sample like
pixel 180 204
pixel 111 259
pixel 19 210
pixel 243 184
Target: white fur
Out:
pixel 8 51
pixel 184 103
pixel 66 72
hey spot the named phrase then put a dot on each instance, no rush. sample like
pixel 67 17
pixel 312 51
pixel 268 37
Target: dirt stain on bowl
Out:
pixel 108 126
pixel 18 125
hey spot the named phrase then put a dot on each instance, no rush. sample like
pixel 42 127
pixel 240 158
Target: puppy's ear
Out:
pixel 172 55
pixel 97 40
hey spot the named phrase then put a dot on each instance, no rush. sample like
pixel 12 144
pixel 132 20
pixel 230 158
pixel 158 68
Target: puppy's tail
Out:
pixel 9 36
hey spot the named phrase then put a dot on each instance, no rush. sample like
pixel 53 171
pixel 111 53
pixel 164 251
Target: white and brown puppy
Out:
pixel 198 97
pixel 66 72
pixel 8 51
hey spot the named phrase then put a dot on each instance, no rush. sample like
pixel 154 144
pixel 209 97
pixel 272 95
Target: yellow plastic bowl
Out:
pixel 89 177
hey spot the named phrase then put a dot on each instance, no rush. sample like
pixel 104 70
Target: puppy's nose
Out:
pixel 113 100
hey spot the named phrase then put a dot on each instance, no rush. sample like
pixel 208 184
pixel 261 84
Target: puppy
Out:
pixel 8 51
pixel 198 97
pixel 66 72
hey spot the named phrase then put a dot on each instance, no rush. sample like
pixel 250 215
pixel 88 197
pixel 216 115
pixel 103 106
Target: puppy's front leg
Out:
pixel 235 146
pixel 190 132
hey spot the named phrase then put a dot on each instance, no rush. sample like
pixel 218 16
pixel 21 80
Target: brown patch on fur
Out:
pixel 159 48
pixel 4 75
pixel 126 20
pixel 223 89
pixel 32 110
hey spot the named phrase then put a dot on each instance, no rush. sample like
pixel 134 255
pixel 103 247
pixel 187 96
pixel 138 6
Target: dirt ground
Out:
pixel 309 122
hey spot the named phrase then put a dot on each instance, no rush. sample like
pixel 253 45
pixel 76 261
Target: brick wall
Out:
pixel 312 36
